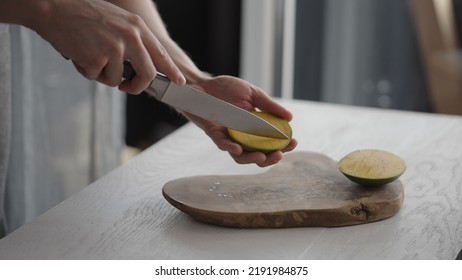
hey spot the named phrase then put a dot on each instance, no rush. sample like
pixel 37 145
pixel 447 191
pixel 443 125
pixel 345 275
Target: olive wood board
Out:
pixel 304 189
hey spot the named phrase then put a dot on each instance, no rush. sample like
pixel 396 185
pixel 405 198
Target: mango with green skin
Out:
pixel 372 167
pixel 263 144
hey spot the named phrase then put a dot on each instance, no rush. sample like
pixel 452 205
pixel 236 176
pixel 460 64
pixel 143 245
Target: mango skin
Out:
pixel 254 143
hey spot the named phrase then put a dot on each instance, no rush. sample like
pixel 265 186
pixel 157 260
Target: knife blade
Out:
pixel 206 106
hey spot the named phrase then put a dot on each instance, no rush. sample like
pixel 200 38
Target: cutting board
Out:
pixel 304 189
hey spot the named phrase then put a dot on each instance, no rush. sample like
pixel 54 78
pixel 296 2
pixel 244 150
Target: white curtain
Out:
pixel 66 131
pixel 5 113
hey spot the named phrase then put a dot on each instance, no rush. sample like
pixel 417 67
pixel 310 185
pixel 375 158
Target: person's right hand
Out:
pixel 99 36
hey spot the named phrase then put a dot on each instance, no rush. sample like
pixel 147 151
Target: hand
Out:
pixel 246 96
pixel 99 36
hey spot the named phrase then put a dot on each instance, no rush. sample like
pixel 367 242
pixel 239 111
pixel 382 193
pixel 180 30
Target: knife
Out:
pixel 208 107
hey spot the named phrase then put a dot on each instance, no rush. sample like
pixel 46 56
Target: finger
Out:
pixel 162 59
pixel 226 145
pixel 249 158
pixel 145 72
pixel 217 133
pixel 112 73
pixel 271 158
pixel 88 72
pixel 291 146
pixel 223 142
pixel 262 101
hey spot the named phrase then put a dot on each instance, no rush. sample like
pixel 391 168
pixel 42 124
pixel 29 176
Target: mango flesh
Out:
pixel 372 167
pixel 263 144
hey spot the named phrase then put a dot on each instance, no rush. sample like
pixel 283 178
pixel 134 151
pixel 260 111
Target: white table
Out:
pixel 124 215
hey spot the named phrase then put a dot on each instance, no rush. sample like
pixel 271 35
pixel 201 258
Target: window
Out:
pixel 357 52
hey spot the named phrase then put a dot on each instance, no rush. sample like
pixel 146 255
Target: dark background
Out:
pixel 209 32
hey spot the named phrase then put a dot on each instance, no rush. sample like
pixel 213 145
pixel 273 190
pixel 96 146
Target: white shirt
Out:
pixel 66 131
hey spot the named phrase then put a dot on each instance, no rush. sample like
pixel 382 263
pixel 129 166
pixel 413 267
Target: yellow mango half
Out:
pixel 263 144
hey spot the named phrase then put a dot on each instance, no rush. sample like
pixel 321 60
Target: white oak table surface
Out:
pixel 124 215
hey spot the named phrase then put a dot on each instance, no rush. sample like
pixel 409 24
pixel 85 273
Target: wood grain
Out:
pixel 124 215
pixel 305 189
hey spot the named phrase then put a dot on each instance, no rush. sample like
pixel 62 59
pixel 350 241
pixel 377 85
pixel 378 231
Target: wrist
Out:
pixel 37 16
pixel 195 76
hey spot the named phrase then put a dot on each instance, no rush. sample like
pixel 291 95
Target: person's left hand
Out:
pixel 246 96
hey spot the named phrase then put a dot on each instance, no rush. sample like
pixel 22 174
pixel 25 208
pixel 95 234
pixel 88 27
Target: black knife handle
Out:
pixel 129 72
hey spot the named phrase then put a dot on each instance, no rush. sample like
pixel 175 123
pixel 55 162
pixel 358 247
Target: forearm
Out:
pixel 23 12
pixel 146 10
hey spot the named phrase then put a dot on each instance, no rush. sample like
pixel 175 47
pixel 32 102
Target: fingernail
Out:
pixel 182 80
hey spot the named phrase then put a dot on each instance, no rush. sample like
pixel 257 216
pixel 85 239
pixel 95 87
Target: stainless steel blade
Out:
pixel 203 105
